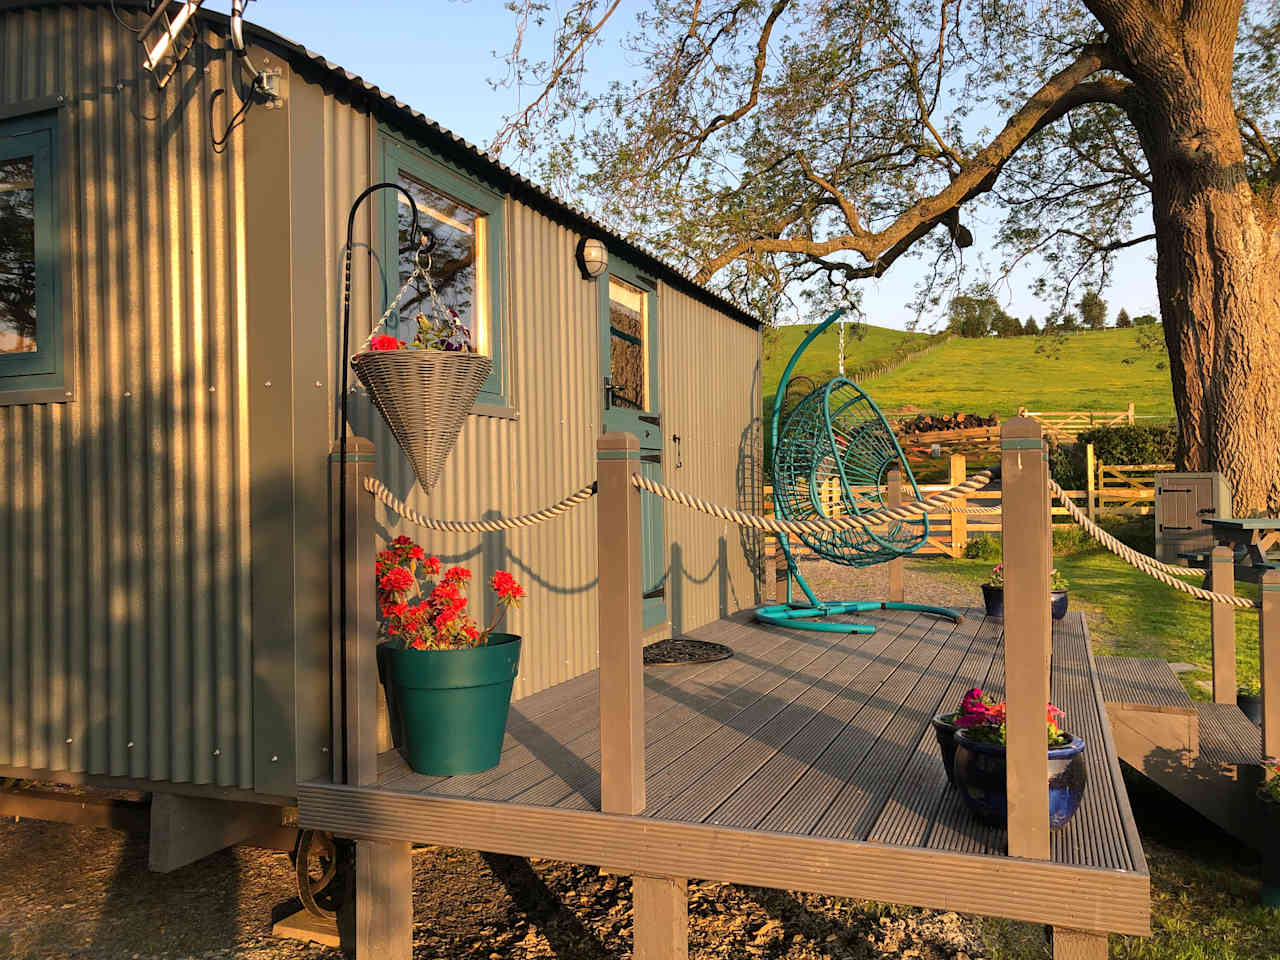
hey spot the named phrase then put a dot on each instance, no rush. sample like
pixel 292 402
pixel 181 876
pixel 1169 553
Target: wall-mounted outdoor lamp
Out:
pixel 593 258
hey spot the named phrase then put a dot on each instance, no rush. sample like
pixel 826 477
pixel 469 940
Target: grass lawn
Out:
pixel 1204 894
pixel 1094 370
pixel 1129 613
pixel 1204 885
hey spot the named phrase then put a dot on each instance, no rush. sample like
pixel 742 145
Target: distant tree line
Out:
pixel 978 313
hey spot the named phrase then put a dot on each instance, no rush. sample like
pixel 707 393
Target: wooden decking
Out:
pixel 819 738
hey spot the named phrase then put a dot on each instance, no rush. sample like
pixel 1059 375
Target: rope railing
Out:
pixel 384 496
pixel 1157 569
pixel 826 525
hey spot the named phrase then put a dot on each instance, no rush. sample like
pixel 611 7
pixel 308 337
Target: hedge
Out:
pixel 1123 444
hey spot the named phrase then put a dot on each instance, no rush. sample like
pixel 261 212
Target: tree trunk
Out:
pixel 1218 278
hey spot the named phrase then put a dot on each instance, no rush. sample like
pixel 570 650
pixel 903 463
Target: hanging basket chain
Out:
pixel 421 274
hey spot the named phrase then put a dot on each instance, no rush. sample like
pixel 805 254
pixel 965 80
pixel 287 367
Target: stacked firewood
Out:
pixel 935 422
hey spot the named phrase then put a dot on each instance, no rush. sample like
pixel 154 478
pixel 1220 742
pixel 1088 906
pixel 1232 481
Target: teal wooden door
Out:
pixel 629 370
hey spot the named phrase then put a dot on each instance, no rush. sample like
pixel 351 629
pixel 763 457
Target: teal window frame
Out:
pixel 625 272
pixel 43 375
pixel 495 396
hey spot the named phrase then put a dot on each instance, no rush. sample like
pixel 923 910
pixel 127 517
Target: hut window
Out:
pixel 467 263
pixel 32 339
pixel 628 337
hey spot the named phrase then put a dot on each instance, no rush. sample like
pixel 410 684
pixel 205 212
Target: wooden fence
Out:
pixel 1067 424
pixel 1112 489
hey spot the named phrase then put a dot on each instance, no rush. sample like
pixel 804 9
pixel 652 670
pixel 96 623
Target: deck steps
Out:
pixel 1208 755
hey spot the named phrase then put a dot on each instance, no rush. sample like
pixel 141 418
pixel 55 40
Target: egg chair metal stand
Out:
pixel 831 457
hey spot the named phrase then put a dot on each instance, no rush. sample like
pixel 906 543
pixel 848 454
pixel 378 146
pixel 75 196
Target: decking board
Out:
pixel 730 771
pixel 811 735
pixel 909 811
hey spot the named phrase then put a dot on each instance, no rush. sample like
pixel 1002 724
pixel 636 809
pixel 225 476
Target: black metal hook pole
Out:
pixel 342 457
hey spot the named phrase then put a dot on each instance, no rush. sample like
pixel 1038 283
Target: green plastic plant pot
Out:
pixel 448 708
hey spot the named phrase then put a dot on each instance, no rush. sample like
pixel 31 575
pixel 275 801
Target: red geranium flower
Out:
pixel 396 580
pixel 505 586
pixel 385 342
pixel 457 575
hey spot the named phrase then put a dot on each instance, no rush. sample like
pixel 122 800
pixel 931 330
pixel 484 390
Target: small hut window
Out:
pixel 628 345
pixel 457 266
pixel 467 262
pixel 32 339
pixel 18 255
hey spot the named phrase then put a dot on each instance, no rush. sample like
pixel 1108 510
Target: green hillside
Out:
pixel 1097 370
pixel 864 344
pixel 1094 370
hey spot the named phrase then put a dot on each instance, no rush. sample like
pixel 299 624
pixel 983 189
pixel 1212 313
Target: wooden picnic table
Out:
pixel 1255 535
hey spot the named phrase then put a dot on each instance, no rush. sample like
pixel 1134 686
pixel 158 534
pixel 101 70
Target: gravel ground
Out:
pixel 83 892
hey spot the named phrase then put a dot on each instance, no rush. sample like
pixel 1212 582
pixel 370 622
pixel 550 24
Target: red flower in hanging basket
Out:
pixel 384 341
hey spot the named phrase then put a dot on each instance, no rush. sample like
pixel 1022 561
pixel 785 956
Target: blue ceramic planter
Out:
pixel 945 730
pixel 980 778
pixel 993 600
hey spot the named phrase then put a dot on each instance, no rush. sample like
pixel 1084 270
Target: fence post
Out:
pixel 959 519
pixel 1091 481
pixel 1131 416
pixel 383 870
pixel 1269 661
pixel 1025 545
pixel 1222 625
pixel 894 499
pixel 621 659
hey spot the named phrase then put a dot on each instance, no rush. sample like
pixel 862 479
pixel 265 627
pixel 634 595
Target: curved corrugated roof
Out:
pixel 400 115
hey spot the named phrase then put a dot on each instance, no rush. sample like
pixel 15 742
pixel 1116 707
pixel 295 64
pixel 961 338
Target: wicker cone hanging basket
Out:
pixel 425 396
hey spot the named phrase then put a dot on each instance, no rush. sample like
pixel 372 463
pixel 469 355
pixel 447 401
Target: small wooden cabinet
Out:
pixel 1183 502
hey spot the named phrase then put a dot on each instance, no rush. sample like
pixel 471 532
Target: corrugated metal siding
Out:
pixel 124 598
pixel 709 375
pixel 515 465
pixel 512 466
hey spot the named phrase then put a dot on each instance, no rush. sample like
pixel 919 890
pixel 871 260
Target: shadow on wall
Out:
pixel 678 576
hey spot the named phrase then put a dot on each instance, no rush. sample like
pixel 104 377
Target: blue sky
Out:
pixel 438 55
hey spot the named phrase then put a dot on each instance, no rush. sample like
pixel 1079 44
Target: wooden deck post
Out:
pixel 1222 624
pixel 660 911
pixel 1078 945
pixel 959 519
pixel 893 494
pixel 1025 532
pixel 1269 661
pixel 1091 481
pixel 621 659
pixel 661 918
pixel 383 871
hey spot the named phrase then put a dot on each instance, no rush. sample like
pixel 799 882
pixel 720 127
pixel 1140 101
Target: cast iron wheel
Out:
pixel 317 844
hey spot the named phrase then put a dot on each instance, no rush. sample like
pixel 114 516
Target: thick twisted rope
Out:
pixel 1164 572
pixel 1157 569
pixel 850 521
pixel 374 486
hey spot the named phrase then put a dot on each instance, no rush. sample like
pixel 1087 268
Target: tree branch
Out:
pixel 1063 92
pixel 520 119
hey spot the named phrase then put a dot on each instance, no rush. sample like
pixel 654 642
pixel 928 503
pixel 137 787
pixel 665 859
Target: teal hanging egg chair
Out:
pixel 831 457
